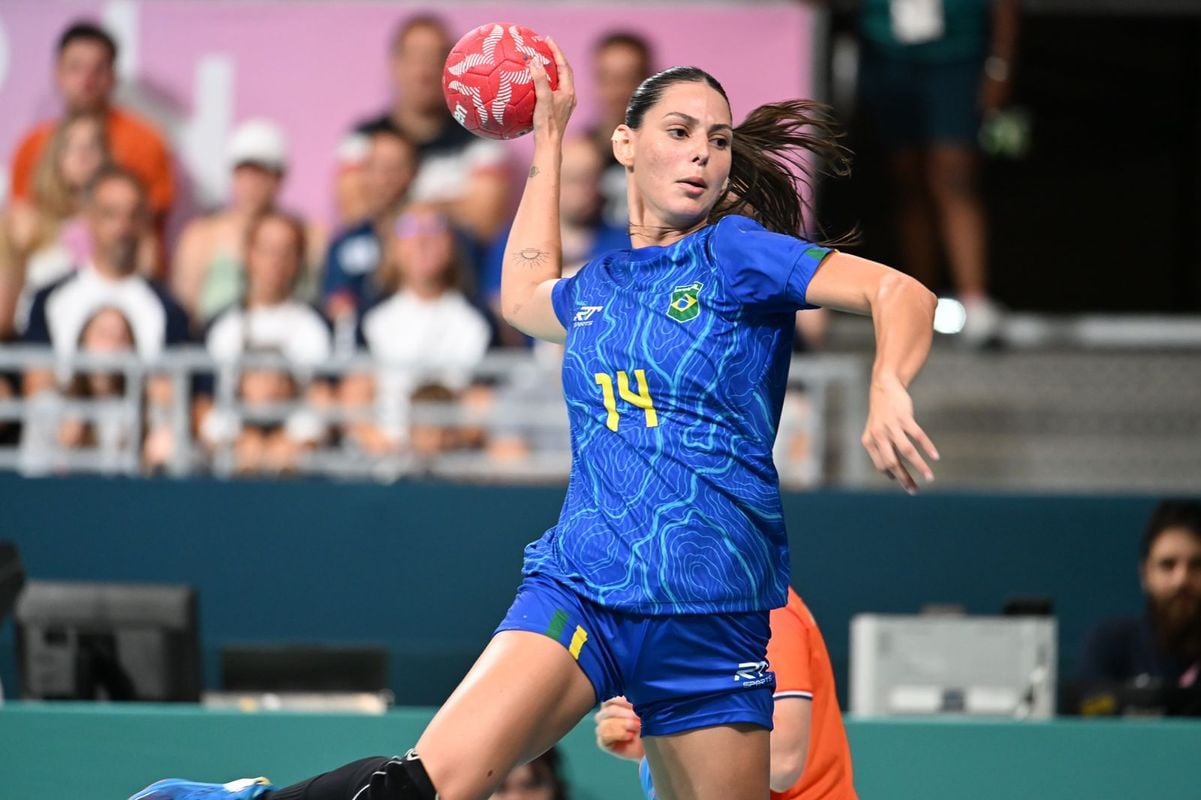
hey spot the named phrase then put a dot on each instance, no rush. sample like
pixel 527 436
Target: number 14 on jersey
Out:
pixel 640 399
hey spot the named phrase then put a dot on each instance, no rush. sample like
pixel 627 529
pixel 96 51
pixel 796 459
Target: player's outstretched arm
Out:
pixel 534 254
pixel 902 310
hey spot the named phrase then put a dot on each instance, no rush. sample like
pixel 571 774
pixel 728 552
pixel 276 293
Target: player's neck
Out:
pixel 646 232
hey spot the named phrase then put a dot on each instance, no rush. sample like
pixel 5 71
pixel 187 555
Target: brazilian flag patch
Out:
pixel 685 302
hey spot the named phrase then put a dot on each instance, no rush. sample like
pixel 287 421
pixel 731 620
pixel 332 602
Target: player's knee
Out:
pixel 402 778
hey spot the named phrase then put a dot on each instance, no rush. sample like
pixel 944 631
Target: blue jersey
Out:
pixel 674 376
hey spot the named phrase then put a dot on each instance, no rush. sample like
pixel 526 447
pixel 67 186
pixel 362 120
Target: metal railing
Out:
pixel 818 443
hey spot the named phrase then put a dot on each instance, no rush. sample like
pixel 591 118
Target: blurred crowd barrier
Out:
pixel 509 424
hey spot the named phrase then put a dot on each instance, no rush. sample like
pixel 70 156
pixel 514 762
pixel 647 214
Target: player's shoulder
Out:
pixel 735 233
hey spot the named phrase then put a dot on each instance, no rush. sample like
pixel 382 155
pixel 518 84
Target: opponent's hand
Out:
pixel 892 432
pixel 552 108
pixel 618 729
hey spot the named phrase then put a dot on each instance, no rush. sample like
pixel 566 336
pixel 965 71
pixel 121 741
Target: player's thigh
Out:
pixel 725 762
pixel 524 693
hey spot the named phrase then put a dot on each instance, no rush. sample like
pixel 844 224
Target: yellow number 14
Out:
pixel 640 400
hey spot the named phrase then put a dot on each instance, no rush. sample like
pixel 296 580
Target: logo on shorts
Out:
pixel 584 315
pixel 685 303
pixel 753 673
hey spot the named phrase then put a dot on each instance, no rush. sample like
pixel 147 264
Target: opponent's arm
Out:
pixel 534 255
pixel 791 721
pixel 902 310
pixel 618 729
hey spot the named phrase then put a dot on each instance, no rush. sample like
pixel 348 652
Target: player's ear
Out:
pixel 623 145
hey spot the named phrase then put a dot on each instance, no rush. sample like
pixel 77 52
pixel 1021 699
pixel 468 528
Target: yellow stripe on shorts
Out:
pixel 577 642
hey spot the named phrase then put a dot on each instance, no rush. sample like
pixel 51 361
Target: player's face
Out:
pixel 681 157
pixel 1172 575
pixel 84 75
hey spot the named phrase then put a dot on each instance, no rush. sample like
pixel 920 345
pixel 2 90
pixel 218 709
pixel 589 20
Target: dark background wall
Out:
pixel 428 569
pixel 1102 214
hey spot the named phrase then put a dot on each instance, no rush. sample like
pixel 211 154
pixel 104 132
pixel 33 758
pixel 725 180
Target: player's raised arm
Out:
pixel 534 255
pixel 902 311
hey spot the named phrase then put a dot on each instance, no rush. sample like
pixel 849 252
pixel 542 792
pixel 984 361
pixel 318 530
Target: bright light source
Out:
pixel 949 316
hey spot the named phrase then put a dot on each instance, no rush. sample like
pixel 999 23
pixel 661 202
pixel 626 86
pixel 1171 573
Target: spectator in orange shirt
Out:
pixel 810 757
pixel 85 80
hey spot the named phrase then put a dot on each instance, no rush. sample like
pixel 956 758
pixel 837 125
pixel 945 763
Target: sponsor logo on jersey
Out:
pixel 685 302
pixel 584 316
pixel 753 673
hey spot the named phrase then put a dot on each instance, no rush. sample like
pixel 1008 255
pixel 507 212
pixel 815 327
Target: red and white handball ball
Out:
pixel 487 81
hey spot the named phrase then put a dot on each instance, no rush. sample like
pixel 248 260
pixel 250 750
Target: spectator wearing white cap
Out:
pixel 209 270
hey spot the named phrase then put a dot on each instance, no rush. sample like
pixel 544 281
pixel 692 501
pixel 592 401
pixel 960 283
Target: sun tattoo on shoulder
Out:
pixel 530 257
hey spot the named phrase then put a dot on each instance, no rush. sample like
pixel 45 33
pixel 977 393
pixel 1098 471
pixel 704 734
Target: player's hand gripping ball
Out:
pixel 487 80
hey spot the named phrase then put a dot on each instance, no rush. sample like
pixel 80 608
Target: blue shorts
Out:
pixel 681 672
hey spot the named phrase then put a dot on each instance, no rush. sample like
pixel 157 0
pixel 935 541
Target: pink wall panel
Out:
pixel 315 67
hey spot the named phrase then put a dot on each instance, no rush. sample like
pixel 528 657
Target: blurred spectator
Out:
pixel 540 779
pixel 526 426
pixel 439 424
pixel 928 71
pixel 1162 647
pixel 350 280
pixel 55 428
pixel 425 332
pixel 207 274
pixel 810 757
pixel 85 80
pixel 115 212
pixel 265 436
pixel 47 237
pixel 621 60
pixel 462 174
pixel 585 233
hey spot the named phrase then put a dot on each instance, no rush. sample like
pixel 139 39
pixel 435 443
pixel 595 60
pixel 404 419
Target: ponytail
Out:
pixel 777 152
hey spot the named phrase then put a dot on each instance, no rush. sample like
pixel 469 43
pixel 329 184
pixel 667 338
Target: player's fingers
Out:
pixel 869 445
pixel 884 457
pixel 908 452
pixel 896 469
pixel 538 73
pixel 566 76
pixel 918 435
